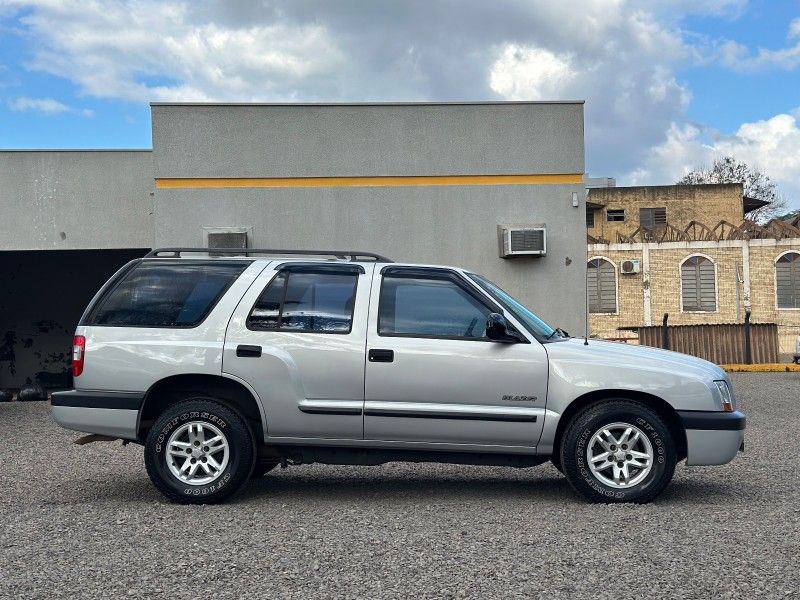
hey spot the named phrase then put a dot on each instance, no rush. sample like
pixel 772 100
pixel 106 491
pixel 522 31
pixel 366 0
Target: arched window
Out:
pixel 602 283
pixel 787 280
pixel 698 284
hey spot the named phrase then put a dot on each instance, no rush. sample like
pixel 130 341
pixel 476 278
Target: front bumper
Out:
pixel 114 414
pixel 712 437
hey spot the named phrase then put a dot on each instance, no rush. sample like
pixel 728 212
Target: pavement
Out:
pixel 85 522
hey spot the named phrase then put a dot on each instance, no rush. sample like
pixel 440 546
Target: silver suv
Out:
pixel 224 366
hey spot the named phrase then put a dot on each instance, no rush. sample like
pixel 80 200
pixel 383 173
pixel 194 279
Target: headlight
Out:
pixel 725 394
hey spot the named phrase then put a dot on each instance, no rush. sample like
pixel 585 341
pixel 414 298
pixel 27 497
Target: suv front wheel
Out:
pixel 618 451
pixel 199 452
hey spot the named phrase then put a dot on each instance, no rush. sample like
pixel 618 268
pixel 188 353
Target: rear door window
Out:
pixel 165 294
pixel 311 302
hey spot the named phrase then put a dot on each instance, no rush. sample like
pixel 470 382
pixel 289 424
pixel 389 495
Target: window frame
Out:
pixel 590 220
pixel 775 275
pixel 616 286
pixel 716 285
pixel 288 268
pixel 434 273
pixel 617 212
pixel 89 315
pixel 652 211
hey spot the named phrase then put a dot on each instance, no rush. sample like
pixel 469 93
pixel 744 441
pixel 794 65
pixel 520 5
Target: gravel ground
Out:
pixel 86 522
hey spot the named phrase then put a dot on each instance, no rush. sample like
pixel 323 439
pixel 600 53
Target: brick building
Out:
pixel 690 252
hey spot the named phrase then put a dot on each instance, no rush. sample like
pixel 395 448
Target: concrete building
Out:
pixel 692 255
pixel 416 182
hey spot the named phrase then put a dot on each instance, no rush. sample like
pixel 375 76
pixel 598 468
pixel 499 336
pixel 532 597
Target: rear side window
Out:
pixel 306 302
pixel 160 294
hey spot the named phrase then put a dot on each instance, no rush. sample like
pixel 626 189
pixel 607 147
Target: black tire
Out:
pixel 6 395
pixel 32 393
pixel 262 467
pixel 230 480
pixel 556 462
pixel 580 432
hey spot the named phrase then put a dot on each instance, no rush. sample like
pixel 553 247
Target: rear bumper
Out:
pixel 108 413
pixel 712 438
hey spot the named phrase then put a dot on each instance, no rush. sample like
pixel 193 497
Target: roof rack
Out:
pixel 351 255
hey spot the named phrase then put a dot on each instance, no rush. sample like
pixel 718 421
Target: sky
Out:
pixel 669 85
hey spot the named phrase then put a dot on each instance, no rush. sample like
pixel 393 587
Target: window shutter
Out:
pixel 698 284
pixel 602 286
pixel 787 278
pixel 650 217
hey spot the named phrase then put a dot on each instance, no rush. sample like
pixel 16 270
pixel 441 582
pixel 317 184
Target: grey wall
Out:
pixel 367 139
pixel 431 224
pixel 75 199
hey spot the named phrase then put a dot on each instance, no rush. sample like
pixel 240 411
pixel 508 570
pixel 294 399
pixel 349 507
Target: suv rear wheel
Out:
pixel 618 451
pixel 199 452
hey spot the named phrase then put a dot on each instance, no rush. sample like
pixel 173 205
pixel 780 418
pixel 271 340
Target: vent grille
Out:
pixel 527 240
pixel 227 239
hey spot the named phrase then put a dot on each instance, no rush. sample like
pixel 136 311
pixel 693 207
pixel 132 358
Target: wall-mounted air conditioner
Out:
pixel 630 267
pixel 522 240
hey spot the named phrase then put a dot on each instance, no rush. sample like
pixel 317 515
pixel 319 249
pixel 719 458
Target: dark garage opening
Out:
pixel 42 295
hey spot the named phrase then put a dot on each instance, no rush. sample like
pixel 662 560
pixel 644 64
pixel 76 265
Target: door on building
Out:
pixel 433 376
pixel 297 337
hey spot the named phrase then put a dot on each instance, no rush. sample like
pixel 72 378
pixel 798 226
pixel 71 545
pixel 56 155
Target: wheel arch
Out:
pixel 230 391
pixel 661 407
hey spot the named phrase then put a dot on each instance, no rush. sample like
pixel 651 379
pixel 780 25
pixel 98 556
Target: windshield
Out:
pixel 533 323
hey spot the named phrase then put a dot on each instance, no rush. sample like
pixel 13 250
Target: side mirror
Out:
pixel 497 329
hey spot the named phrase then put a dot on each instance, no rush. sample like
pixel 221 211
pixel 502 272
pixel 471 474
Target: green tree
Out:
pixel 756 184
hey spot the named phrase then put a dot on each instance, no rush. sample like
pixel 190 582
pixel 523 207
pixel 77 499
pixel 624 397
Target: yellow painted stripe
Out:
pixel 762 368
pixel 389 181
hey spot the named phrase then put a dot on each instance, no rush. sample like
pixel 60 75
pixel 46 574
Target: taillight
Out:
pixel 78 354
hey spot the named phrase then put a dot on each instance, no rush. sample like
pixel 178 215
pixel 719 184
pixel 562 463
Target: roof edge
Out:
pixel 423 103
pixel 667 186
pixel 32 150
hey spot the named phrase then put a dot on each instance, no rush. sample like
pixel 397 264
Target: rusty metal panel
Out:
pixel 719 343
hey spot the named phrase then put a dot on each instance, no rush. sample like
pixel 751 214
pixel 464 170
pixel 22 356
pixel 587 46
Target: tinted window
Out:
pixel 430 307
pixel 534 324
pixel 159 294
pixel 304 301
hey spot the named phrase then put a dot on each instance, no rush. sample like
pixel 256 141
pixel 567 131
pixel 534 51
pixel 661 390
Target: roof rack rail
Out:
pixel 351 255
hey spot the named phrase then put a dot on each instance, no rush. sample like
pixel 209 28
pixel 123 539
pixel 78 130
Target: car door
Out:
pixel 297 337
pixel 432 374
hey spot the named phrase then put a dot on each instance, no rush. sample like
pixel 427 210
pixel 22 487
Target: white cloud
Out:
pixel 530 73
pixel 144 50
pixel 772 145
pixel 46 106
pixel 794 28
pixel 739 57
pixel 617 57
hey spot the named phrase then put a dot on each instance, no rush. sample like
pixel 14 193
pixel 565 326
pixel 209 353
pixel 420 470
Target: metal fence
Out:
pixel 721 343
